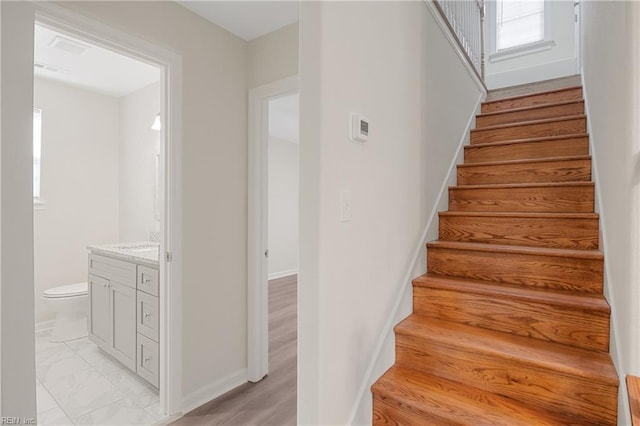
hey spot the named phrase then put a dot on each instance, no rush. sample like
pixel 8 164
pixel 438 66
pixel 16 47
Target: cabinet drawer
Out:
pixel 148 319
pixel 148 280
pixel 148 364
pixel 113 269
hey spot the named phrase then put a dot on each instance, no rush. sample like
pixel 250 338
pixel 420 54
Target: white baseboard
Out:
pixel 213 390
pixel 44 325
pixel 548 71
pixel 282 274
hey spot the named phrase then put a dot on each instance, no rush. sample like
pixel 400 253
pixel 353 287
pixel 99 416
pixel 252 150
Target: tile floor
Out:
pixel 77 384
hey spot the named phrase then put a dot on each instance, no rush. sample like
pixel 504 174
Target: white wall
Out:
pixel 80 138
pixel 139 145
pixel 214 179
pixel 214 142
pixel 391 62
pixel 558 61
pixel 273 56
pixel 283 207
pixel 17 377
pixel 611 68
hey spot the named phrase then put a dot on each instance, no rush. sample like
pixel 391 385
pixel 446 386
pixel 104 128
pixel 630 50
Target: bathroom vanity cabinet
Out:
pixel 123 315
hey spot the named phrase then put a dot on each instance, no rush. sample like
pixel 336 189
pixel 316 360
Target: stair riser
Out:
pixel 540 172
pixel 580 328
pixel 564 110
pixel 552 272
pixel 539 387
pixel 519 231
pixel 386 413
pixel 527 150
pixel 534 130
pixel 541 99
pixel 557 199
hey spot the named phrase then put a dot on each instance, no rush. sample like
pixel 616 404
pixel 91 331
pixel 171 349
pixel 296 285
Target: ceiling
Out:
pixel 246 19
pixel 88 66
pixel 283 118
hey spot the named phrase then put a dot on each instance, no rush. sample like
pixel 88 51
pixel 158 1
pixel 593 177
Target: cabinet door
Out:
pixel 123 324
pixel 99 312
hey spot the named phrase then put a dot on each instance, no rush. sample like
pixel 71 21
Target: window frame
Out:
pixel 495 55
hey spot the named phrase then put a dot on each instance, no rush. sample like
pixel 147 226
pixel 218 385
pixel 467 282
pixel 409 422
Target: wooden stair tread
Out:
pixel 524 185
pixel 522 215
pixel 540 354
pixel 525 161
pixel 510 324
pixel 456 403
pixel 576 301
pixel 530 122
pixel 526 140
pixel 499 248
pixel 633 389
pixel 528 108
pixel 528 95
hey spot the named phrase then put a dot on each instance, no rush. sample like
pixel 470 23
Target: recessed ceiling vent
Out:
pixel 68 45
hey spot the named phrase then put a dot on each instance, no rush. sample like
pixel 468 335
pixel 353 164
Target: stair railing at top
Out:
pixel 465 19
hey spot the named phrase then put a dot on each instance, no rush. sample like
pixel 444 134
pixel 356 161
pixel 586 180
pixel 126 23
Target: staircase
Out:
pixel 509 324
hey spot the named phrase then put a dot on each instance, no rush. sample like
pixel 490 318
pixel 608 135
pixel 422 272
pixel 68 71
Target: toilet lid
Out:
pixel 69 290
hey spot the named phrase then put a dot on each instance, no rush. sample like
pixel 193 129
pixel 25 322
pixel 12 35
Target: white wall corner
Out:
pixel 213 390
pixel 384 354
pixel 615 348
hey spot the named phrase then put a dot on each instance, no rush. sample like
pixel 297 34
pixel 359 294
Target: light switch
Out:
pixel 345 206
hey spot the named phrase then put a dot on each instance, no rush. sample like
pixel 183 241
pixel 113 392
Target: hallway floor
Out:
pixel 77 383
pixel 272 401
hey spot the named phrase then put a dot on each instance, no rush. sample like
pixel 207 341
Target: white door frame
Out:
pixel 257 240
pixel 170 63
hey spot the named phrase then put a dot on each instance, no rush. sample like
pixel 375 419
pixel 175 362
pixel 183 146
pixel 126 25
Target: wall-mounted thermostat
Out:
pixel 359 128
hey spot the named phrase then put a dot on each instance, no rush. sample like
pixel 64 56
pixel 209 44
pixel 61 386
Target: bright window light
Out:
pixel 519 23
pixel 37 151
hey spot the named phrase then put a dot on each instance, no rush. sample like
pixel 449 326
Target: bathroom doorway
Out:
pixel 106 173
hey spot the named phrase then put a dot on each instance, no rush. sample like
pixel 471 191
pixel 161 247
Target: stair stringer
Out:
pixel 383 356
pixel 624 417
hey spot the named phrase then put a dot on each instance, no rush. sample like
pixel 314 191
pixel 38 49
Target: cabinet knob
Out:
pixel 147 358
pixel 147 314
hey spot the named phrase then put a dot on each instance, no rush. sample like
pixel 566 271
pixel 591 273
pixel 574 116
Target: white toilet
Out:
pixel 70 303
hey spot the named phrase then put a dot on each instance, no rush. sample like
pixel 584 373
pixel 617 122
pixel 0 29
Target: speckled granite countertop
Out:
pixel 144 252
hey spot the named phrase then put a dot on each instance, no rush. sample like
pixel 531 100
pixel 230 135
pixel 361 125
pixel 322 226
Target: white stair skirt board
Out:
pixel 282 274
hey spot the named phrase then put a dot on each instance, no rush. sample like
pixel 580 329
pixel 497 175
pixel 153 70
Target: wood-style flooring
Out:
pixel 272 401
